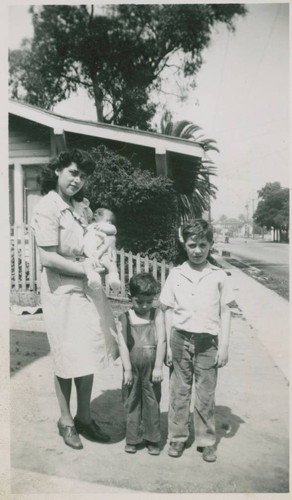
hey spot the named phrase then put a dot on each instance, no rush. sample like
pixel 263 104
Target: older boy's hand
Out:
pixel 128 377
pixel 221 357
pixel 157 375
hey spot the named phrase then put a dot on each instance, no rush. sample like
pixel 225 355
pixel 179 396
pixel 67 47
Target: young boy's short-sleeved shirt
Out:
pixel 197 297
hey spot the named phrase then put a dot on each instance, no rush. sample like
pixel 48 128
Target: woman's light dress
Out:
pixel 79 321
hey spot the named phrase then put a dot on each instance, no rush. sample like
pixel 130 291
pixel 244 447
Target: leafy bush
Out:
pixel 145 206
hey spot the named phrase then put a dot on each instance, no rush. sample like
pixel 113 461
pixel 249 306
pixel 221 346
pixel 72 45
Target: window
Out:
pixel 11 194
pixel 31 190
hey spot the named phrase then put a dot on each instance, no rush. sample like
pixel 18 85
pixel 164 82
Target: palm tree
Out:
pixel 192 183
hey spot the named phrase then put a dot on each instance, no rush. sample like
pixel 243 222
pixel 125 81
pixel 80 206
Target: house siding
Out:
pixel 28 139
pixel 138 155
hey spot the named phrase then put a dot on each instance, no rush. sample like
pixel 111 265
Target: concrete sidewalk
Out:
pixel 266 312
pixel 252 423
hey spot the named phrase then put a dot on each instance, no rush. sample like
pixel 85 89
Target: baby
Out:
pixel 100 245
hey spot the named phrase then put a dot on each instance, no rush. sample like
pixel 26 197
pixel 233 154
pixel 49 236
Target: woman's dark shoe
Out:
pixel 70 436
pixel 91 431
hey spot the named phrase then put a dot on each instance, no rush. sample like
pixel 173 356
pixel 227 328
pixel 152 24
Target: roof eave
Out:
pixel 159 142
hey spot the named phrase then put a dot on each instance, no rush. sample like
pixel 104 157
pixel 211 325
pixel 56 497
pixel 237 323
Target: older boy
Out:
pixel 195 298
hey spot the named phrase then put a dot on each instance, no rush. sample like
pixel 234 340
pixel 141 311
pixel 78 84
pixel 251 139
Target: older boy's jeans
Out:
pixel 142 398
pixel 193 355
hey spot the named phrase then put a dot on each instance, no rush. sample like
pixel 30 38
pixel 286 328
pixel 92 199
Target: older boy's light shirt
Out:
pixel 197 297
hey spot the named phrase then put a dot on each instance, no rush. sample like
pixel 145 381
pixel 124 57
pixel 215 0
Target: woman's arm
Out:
pixel 51 259
pixel 157 375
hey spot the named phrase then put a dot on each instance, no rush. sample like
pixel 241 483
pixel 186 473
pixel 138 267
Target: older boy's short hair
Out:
pixel 199 228
pixel 143 284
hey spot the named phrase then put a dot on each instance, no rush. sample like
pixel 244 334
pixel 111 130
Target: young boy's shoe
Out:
pixel 208 454
pixel 130 448
pixel 176 449
pixel 153 448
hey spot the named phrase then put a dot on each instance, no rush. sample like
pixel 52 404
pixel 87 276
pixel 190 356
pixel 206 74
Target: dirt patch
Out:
pixel 281 287
pixel 27 346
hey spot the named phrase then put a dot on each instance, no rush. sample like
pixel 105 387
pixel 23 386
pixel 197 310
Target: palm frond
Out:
pixel 179 127
pixel 193 185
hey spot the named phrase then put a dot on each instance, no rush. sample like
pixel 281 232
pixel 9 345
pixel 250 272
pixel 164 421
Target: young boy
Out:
pixel 195 298
pixel 142 345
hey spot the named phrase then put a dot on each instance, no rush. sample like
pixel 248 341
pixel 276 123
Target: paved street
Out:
pixel 265 255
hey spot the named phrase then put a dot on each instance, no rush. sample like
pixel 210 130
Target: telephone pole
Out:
pixel 247 229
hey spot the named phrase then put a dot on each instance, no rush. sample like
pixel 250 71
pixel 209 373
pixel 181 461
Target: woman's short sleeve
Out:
pixel 45 224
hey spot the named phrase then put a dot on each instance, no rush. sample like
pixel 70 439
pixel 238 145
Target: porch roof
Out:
pixel 59 124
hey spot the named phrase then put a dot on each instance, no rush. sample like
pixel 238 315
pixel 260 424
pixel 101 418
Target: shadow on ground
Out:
pixel 227 424
pixel 107 409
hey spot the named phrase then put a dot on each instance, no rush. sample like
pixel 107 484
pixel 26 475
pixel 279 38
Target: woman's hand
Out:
pixel 88 265
pixel 93 278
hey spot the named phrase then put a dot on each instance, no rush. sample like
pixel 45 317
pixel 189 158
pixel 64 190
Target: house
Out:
pixel 36 135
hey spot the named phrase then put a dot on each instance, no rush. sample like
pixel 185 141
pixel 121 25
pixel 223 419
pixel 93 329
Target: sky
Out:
pixel 241 100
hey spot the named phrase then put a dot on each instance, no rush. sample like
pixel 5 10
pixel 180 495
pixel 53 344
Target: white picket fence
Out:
pixel 25 265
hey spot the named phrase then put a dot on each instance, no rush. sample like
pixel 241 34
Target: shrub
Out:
pixel 145 206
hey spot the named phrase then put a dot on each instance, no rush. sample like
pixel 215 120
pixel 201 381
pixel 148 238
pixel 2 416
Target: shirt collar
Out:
pixel 188 272
pixel 76 210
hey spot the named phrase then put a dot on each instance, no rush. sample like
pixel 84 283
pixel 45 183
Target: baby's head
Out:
pixel 104 215
pixel 143 289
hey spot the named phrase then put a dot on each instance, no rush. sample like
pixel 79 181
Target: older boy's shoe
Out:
pixel 70 436
pixel 153 448
pixel 176 449
pixel 209 454
pixel 91 431
pixel 130 448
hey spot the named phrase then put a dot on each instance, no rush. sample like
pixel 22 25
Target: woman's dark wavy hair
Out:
pixel 48 179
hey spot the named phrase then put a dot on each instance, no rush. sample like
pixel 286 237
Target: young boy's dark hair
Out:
pixel 143 283
pixel 199 228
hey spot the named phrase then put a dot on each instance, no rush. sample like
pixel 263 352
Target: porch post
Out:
pixel 161 162
pixel 58 141
pixel 18 193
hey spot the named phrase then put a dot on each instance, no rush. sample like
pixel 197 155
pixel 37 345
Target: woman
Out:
pixel 79 321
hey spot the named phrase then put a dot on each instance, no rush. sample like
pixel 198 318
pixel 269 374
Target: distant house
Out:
pixel 36 135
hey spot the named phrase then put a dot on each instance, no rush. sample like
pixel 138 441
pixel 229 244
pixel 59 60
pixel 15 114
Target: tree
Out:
pixel 116 52
pixel 145 206
pixel 192 183
pixel 273 208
